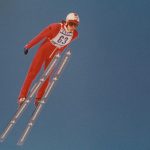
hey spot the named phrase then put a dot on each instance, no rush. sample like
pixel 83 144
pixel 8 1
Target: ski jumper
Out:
pixel 55 39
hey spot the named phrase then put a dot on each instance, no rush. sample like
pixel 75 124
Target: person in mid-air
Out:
pixel 56 37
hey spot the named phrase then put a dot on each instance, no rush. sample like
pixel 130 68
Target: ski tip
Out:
pixel 69 52
pixel 57 55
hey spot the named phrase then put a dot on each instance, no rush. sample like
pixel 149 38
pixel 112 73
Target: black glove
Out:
pixel 26 51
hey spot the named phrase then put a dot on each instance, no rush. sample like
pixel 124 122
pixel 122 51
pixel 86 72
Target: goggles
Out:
pixel 72 24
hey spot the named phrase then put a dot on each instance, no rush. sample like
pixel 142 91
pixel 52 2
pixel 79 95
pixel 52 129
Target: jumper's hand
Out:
pixel 26 51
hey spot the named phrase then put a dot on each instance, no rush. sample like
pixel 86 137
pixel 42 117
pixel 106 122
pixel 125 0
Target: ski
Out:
pixel 33 91
pixel 44 99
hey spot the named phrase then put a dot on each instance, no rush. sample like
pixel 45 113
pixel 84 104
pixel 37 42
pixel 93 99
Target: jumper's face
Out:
pixel 71 26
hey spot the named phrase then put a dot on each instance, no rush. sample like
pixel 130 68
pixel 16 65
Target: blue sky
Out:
pixel 101 101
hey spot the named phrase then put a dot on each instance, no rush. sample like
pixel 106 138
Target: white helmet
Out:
pixel 73 17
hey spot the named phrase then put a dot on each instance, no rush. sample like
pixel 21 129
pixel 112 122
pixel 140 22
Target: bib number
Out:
pixel 62 40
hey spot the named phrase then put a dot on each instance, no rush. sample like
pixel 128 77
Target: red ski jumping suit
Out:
pixel 55 38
